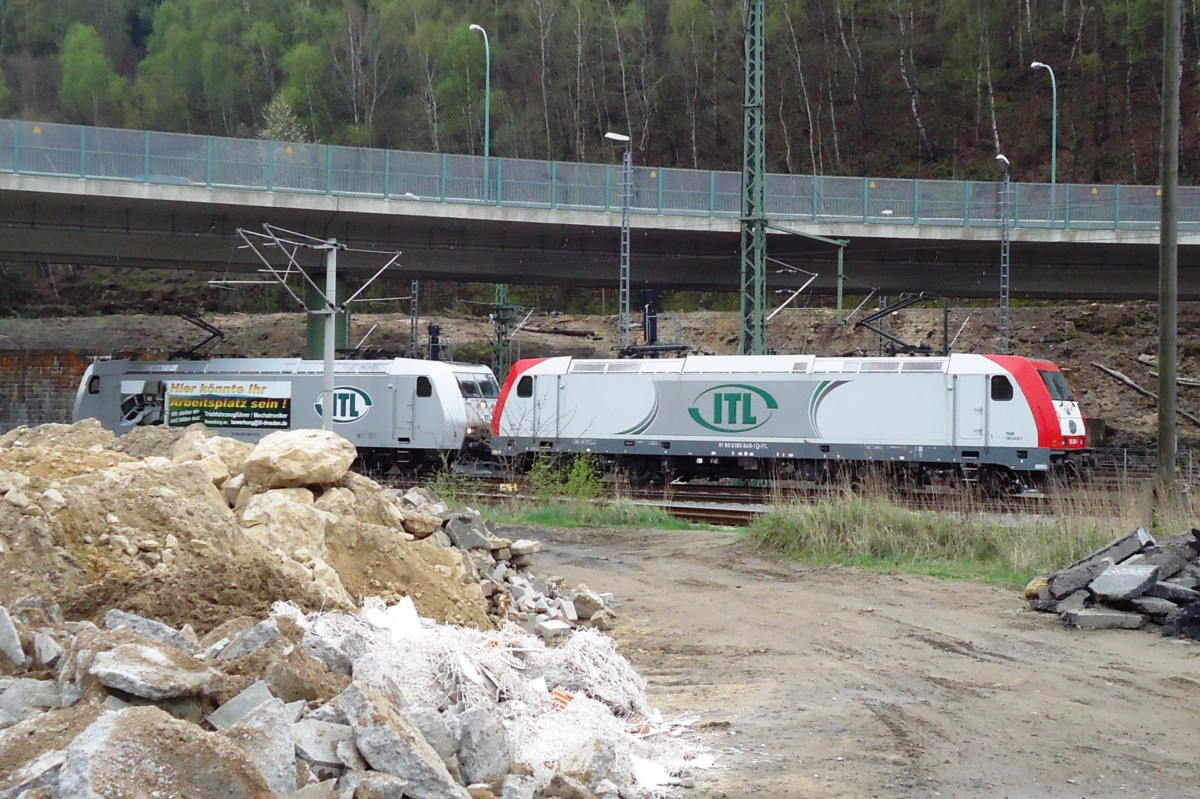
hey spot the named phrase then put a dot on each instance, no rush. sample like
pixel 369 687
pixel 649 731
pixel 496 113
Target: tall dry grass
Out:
pixel 874 527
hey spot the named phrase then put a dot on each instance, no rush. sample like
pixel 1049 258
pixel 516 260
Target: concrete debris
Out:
pixel 10 640
pixel 484 754
pixel 392 744
pixel 1133 582
pixel 288 628
pixel 237 708
pixel 118 619
pixel 142 751
pixel 142 670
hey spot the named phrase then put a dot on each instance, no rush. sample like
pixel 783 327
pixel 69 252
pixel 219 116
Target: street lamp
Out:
pixel 626 200
pixel 1053 129
pixel 487 106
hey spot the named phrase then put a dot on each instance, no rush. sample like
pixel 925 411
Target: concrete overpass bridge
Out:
pixel 149 199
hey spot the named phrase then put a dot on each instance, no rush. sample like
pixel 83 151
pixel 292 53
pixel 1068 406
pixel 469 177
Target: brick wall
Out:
pixel 38 387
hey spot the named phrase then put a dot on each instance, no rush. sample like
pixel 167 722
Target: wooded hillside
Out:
pixel 903 88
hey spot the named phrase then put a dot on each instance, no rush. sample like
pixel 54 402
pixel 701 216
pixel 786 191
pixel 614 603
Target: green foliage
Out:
pixel 90 91
pixel 571 477
pixel 408 74
pixel 621 513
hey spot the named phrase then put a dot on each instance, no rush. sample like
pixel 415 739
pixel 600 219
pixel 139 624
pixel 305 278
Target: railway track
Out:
pixel 739 505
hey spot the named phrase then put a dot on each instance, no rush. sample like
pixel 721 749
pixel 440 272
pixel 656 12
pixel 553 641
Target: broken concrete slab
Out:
pixel 484 750
pixel 229 713
pixel 376 669
pixel 1179 594
pixel 166 751
pixel 46 651
pixel 26 697
pixel 327 652
pixel 469 536
pixel 257 638
pixel 438 732
pixel 152 673
pixel 32 752
pixel 317 741
pixel 10 639
pixel 1123 581
pixel 264 735
pixel 1154 606
pixel 1104 619
pixel 392 744
pixel 154 630
pixel 1074 601
pixel 1083 571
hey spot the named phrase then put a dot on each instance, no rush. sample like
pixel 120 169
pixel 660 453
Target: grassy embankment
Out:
pixel 867 527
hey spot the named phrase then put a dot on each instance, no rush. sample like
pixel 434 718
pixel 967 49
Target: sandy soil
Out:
pixel 841 683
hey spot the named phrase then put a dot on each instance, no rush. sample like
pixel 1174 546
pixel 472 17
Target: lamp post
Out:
pixel 626 200
pixel 1053 130
pixel 487 106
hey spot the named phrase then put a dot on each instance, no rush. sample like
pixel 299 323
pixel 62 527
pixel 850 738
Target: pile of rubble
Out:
pixel 1133 582
pixel 376 704
pixel 91 518
pixel 231 619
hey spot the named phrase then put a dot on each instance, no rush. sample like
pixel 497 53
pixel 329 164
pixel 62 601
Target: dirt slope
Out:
pixel 1074 335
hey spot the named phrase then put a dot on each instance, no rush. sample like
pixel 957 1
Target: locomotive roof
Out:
pixel 767 364
pixel 285 366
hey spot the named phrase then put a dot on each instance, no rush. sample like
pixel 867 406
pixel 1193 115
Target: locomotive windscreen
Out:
pixel 1057 385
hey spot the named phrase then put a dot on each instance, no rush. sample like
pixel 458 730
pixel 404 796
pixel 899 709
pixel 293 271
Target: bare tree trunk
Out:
pixel 1078 33
pixel 693 98
pixel 612 13
pixel 987 56
pixel 794 48
pixel 546 12
pixel 906 61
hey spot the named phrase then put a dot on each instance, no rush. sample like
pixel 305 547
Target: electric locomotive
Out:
pixel 402 414
pixel 1004 420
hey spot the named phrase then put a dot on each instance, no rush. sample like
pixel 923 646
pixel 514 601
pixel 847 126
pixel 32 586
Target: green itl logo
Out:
pixel 732 408
pixel 349 404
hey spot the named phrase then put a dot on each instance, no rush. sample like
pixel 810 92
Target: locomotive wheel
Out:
pixel 996 481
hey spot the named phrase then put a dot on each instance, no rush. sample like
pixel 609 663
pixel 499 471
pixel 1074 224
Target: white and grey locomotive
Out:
pixel 1001 419
pixel 400 413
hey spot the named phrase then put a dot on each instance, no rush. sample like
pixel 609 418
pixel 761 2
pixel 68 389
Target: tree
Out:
pixel 280 123
pixel 90 90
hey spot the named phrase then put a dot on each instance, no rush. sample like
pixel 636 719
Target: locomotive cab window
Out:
pixel 93 386
pixel 1056 384
pixel 1002 390
pixel 424 387
pixel 525 386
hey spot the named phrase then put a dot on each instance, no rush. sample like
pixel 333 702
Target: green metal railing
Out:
pixel 73 151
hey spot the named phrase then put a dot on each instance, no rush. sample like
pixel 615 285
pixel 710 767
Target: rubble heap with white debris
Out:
pixel 188 615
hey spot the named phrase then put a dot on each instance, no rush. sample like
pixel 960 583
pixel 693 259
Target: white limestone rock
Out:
pixel 299 457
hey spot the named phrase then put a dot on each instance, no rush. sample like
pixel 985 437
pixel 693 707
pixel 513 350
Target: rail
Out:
pixel 46 149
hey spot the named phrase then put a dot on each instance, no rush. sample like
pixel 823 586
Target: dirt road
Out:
pixel 839 683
